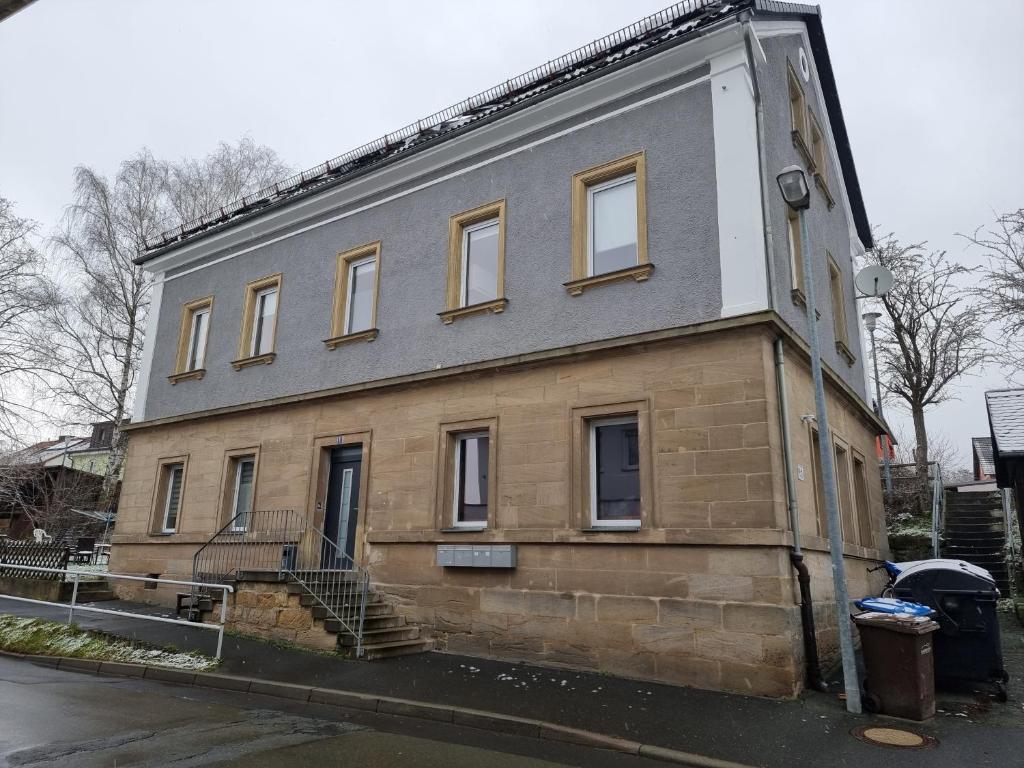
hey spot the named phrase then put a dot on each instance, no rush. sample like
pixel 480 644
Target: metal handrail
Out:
pixel 938 501
pixel 262 529
pixel 334 580
pixel 225 589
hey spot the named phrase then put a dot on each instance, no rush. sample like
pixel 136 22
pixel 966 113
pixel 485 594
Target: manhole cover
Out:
pixel 893 737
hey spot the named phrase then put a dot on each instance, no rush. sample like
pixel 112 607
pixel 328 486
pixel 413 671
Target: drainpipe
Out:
pixel 796 557
pixel 769 247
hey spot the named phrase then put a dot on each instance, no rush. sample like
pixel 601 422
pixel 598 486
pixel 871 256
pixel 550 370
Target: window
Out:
pixel 173 475
pixel 860 489
pixel 471 465
pixel 797 111
pixel 844 489
pixel 476 262
pixel 244 480
pixel 356 285
pixel 609 224
pixel 796 256
pixel 259 322
pixel 819 484
pixel 818 148
pixel 614 471
pixel 838 294
pixel 192 337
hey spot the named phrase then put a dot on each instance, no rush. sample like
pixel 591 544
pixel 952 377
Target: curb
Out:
pixel 383 705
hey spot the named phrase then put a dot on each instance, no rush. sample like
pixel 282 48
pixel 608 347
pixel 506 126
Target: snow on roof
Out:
pixel 667 26
pixel 1006 418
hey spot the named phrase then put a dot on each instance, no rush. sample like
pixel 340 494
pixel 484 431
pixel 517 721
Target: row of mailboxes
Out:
pixel 476 555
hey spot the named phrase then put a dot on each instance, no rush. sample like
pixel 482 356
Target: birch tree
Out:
pixel 91 340
pixel 1002 288
pixel 930 334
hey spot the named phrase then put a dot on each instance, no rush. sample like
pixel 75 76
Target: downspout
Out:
pixel 796 557
pixel 769 248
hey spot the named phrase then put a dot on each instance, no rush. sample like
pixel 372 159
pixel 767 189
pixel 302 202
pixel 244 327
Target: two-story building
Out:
pixel 524 362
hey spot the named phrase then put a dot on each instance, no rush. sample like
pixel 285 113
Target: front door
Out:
pixel 342 510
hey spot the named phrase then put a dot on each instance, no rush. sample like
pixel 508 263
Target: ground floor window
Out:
pixel 471 467
pixel 173 477
pixel 244 481
pixel 614 471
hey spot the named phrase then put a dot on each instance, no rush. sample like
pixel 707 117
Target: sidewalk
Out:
pixel 811 731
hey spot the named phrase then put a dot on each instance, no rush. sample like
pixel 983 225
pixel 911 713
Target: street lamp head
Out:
pixel 871 320
pixel 793 183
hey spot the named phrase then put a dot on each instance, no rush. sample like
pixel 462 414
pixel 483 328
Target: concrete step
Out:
pixel 390 650
pixel 379 621
pixel 379 636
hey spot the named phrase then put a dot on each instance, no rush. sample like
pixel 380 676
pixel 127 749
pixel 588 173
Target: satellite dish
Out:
pixel 873 281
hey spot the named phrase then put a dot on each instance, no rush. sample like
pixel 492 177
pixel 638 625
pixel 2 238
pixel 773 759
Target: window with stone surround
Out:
pixel 476 262
pixel 239 486
pixel 819 484
pixel 797 111
pixel 609 224
pixel 256 344
pixel 356 289
pixel 467 475
pixel 844 490
pixel 838 294
pixel 193 334
pixel 167 500
pixel 613 478
pixel 796 257
pixel 860 489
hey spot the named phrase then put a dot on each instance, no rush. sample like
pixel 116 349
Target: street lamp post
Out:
pixel 871 322
pixel 793 184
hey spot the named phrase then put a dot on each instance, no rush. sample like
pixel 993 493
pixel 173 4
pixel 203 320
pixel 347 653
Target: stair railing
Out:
pixel 938 500
pixel 334 580
pixel 257 540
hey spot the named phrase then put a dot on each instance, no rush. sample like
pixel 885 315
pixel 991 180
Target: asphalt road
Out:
pixel 56 718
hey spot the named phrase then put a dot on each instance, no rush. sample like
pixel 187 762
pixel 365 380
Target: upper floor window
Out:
pixel 609 224
pixel 797 108
pixel 476 262
pixel 259 322
pixel 818 147
pixel 356 285
pixel 796 254
pixel 838 294
pixel 192 338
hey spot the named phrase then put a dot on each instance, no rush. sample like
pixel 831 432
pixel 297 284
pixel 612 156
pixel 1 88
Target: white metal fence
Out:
pixel 75 578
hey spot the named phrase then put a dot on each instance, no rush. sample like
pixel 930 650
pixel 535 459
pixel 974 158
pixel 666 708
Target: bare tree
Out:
pixel 22 296
pixel 1002 293
pixel 91 342
pixel 930 334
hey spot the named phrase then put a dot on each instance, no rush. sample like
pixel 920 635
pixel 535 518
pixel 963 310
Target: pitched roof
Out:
pixel 983 452
pixel 1006 419
pixel 672 26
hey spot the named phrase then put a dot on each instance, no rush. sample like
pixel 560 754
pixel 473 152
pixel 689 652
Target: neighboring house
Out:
pixel 94 455
pixel 1006 421
pixel 984 463
pixel 544 320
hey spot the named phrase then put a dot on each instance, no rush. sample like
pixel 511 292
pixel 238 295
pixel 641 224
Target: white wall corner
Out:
pixel 740 220
pixel 148 343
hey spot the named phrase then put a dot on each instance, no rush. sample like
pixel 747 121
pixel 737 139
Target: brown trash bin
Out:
pixel 900 665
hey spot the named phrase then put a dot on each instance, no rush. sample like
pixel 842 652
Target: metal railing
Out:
pixel 335 581
pixel 938 507
pixel 280 541
pixel 75 578
pixel 260 540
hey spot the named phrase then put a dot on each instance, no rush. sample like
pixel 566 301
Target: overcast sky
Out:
pixel 931 91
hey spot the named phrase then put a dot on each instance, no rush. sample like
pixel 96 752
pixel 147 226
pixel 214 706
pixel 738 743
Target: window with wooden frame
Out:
pixel 612 478
pixel 193 334
pixel 844 490
pixel 257 340
pixel 476 262
pixel 609 224
pixel 838 294
pixel 467 475
pixel 238 488
pixel 798 115
pixel 863 505
pixel 168 494
pixel 356 288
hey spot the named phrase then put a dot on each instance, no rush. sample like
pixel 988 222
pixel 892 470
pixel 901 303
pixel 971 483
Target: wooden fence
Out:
pixel 29 553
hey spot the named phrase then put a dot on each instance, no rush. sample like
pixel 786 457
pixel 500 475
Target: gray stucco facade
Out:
pixel 672 123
